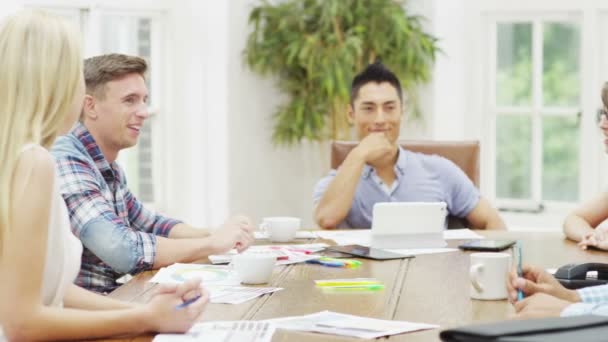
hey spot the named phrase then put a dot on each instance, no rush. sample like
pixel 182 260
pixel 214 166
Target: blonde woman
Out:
pixel 41 93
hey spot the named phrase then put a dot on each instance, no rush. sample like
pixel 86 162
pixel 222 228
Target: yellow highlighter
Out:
pixel 352 282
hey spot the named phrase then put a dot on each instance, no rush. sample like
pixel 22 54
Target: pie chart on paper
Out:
pixel 211 275
pixel 207 275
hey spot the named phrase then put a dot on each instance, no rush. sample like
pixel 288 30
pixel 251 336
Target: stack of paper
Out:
pixel 209 274
pixel 461 234
pixel 237 294
pixel 286 254
pixel 226 331
pixel 348 325
pixel 300 234
pixel 364 236
pixel 348 237
pixel 221 282
pixel 422 251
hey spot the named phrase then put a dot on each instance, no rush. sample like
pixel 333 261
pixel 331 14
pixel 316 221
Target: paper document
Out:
pixel 286 254
pixel 210 274
pixel 300 234
pixel 348 237
pixel 364 236
pixel 348 325
pixel 421 251
pixel 237 294
pixel 461 234
pixel 224 331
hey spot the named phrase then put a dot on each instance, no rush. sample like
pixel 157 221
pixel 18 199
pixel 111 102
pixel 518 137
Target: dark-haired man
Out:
pixel 118 233
pixel 379 170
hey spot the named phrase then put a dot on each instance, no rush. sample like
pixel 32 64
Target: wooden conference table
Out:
pixel 430 288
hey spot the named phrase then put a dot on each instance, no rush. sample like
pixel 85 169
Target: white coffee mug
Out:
pixel 281 229
pixel 254 268
pixel 488 275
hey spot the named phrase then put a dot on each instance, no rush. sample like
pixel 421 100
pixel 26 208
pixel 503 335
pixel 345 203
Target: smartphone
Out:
pixel 487 245
pixel 367 252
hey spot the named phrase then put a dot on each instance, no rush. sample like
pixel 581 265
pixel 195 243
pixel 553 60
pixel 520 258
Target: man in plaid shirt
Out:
pixel 119 234
pixel 546 297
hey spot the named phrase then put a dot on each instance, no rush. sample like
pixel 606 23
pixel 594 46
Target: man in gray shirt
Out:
pixel 379 170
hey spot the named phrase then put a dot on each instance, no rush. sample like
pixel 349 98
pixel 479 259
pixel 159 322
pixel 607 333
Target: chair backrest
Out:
pixel 465 154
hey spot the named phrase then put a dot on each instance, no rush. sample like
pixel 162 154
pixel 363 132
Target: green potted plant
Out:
pixel 315 47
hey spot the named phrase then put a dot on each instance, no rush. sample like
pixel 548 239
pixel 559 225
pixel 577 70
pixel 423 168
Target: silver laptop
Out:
pixel 398 225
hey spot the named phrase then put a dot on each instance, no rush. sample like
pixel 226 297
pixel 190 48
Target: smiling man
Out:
pixel 379 170
pixel 119 234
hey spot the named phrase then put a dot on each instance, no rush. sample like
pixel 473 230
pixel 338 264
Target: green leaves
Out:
pixel 315 47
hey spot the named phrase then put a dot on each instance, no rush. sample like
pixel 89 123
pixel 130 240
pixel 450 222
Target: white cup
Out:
pixel 488 275
pixel 254 268
pixel 281 229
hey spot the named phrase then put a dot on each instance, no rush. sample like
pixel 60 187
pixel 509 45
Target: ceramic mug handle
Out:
pixel 474 276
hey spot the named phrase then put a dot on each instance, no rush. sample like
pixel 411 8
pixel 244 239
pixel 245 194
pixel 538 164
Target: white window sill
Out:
pixel 546 221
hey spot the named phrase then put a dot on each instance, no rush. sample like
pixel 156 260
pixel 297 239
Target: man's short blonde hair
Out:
pixel 100 70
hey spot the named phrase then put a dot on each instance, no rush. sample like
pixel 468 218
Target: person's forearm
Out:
pixel 53 323
pixel 575 227
pixel 79 298
pixel 185 231
pixel 495 223
pixel 170 251
pixel 337 200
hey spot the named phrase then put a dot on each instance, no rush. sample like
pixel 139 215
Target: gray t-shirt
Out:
pixel 419 178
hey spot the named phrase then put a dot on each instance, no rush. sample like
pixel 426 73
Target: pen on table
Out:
pixel 520 273
pixel 187 302
pixel 325 263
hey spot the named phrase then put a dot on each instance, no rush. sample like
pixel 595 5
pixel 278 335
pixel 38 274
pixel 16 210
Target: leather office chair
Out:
pixel 465 154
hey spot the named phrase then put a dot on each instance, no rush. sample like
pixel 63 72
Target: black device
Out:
pixel 368 252
pixel 576 276
pixel 487 245
pixel 554 329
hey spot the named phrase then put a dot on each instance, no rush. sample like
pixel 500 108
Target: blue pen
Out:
pixel 188 302
pixel 520 272
pixel 326 263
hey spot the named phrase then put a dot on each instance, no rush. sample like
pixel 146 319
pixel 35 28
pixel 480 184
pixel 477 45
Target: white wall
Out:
pixel 184 116
pixel 264 180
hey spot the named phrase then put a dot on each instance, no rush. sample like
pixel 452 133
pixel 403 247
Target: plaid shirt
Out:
pixel 118 233
pixel 594 301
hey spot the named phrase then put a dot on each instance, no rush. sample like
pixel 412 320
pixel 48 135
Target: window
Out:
pixel 536 107
pixel 132 34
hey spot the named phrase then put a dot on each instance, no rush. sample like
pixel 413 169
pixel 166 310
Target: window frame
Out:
pixel 536 110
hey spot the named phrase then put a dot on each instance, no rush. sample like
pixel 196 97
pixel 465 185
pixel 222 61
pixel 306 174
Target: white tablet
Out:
pixel 408 224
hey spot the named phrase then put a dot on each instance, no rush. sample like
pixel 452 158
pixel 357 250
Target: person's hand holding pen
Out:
pixel 537 280
pixel 175 308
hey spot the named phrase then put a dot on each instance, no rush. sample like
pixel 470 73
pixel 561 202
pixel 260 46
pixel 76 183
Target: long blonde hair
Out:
pixel 40 67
